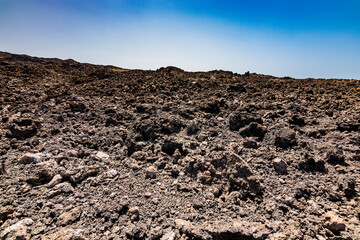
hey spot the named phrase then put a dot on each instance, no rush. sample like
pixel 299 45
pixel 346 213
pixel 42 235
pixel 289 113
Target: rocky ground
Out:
pixel 99 152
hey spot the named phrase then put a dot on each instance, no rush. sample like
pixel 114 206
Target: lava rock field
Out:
pixel 100 152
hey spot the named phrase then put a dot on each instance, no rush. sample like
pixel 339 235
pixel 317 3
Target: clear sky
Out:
pixel 298 38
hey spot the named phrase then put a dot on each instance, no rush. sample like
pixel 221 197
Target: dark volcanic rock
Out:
pixel 280 166
pixel 5 211
pixel 100 152
pixel 192 127
pixel 77 107
pixel 254 129
pixel 349 125
pixel 240 119
pixel 171 125
pixel 310 164
pixel 335 156
pixel 224 230
pixel 347 185
pixel 22 128
pixel 285 138
pixel 249 143
pixel 297 120
pixel 239 88
pixel 169 147
pixel 213 106
pixel 147 129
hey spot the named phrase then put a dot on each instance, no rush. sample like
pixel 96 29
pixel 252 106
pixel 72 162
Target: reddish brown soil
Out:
pixel 98 152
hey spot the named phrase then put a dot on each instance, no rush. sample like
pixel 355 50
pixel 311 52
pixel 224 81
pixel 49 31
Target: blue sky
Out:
pixel 283 38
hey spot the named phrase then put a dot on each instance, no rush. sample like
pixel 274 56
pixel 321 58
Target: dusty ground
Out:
pixel 98 152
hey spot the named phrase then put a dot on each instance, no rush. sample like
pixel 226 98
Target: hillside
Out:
pixel 100 152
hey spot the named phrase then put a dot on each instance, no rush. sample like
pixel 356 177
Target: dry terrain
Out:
pixel 99 152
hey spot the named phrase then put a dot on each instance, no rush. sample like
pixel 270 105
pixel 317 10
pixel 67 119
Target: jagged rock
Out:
pixel 102 155
pixel 243 168
pixel 144 108
pixel 170 146
pixel 254 129
pixel 170 235
pixel 182 187
pixel 242 178
pixel 335 156
pixel 188 229
pixel 111 122
pixel 147 129
pixel 22 128
pixel 297 120
pixel 19 230
pixel 136 231
pixel 240 119
pixel 2 167
pixel 349 125
pixel 30 158
pixel 223 230
pixel 236 88
pixel 151 172
pixel 334 194
pixel 55 180
pixel 249 143
pixel 78 175
pixel 134 213
pixel 5 211
pixel 285 138
pixel 68 234
pixel 155 233
pixel 77 107
pixel 347 185
pixel 212 106
pixel 69 217
pixel 238 229
pixel 192 127
pixel 40 177
pixel 171 125
pixel 111 173
pixel 139 155
pixel 333 222
pixel 280 166
pixel 60 188
pixel 311 164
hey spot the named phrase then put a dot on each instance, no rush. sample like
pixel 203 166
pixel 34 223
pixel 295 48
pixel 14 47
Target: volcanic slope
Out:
pixel 100 152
